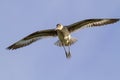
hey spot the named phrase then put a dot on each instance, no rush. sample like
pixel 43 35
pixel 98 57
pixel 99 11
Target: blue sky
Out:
pixel 96 55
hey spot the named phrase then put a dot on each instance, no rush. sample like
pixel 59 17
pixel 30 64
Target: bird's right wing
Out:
pixel 33 37
pixel 90 23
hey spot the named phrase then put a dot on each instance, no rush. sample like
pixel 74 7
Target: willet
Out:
pixel 63 33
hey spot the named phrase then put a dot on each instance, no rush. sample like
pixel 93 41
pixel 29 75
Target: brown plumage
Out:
pixel 63 33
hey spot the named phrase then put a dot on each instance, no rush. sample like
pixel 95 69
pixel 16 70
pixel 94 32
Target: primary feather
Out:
pixel 90 23
pixel 33 37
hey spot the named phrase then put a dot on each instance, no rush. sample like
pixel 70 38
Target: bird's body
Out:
pixel 65 38
pixel 63 33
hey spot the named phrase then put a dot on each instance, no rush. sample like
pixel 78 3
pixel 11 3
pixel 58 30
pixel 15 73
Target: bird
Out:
pixel 63 33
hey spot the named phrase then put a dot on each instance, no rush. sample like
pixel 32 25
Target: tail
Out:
pixel 72 41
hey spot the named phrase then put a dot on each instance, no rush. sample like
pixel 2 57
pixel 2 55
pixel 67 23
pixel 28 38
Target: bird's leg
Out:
pixel 68 55
pixel 65 51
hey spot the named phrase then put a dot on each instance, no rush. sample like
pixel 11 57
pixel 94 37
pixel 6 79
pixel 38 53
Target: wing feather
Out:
pixel 33 37
pixel 90 23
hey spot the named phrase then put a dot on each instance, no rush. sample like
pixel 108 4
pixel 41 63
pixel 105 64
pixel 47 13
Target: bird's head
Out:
pixel 59 27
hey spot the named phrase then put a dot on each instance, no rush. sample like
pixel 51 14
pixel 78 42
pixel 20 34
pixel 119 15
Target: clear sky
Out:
pixel 96 55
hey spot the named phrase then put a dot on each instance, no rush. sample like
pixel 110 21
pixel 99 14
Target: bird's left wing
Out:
pixel 33 37
pixel 90 23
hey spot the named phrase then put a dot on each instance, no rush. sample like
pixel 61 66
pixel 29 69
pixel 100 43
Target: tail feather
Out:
pixel 58 43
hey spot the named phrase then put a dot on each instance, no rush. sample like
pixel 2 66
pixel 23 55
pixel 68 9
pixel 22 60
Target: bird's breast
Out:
pixel 64 37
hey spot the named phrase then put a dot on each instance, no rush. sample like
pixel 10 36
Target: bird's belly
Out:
pixel 64 38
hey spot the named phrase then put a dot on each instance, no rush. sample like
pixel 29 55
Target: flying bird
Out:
pixel 63 33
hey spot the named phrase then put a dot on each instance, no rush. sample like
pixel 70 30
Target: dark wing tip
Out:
pixel 115 20
pixel 17 45
pixel 111 21
pixel 12 47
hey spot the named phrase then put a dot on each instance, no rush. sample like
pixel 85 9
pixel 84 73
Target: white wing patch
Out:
pixel 91 23
pixel 102 22
pixel 23 42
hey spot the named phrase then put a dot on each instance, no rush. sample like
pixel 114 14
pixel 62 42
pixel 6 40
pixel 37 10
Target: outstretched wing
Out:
pixel 90 23
pixel 33 37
